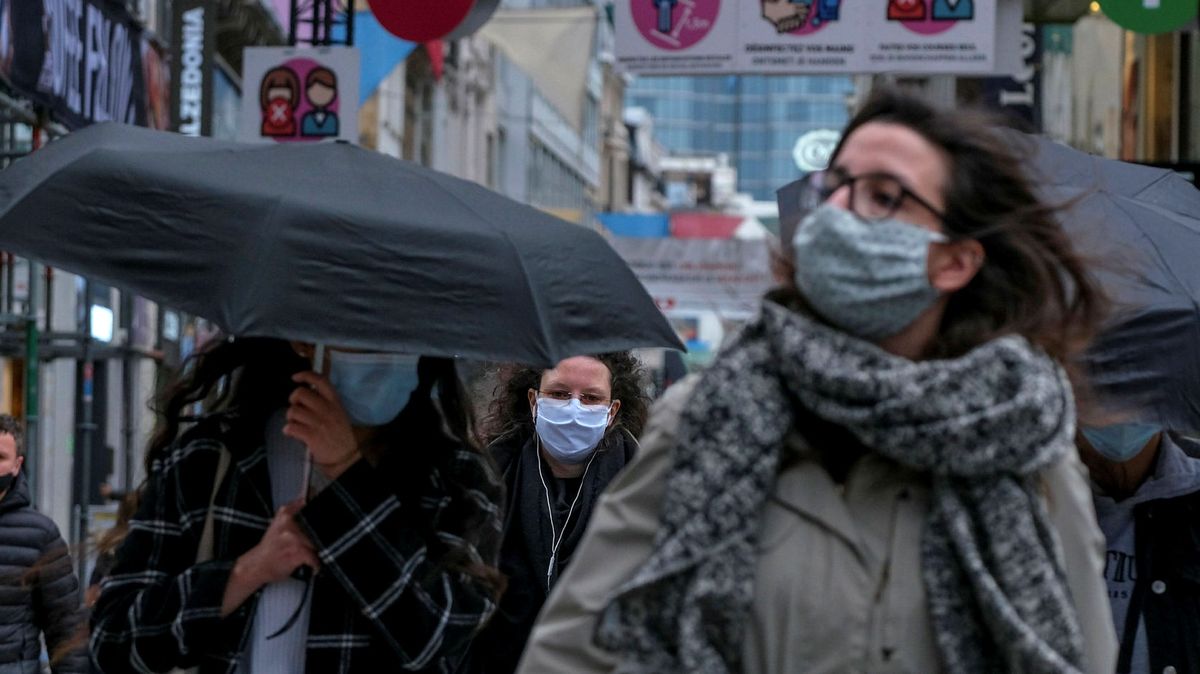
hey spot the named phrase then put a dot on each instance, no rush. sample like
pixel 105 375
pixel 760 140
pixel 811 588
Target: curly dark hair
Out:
pixel 509 411
pixel 239 383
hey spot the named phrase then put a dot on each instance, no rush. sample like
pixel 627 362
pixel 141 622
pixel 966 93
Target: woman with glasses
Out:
pixel 560 436
pixel 878 473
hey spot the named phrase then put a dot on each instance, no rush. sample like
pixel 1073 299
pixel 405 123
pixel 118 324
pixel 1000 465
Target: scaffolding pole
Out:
pixel 87 429
pixel 32 391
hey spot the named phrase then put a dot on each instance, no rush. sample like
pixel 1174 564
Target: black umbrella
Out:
pixel 1139 227
pixel 324 243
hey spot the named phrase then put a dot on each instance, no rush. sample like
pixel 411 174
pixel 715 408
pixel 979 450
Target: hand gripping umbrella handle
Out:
pixel 304 573
pixel 318 366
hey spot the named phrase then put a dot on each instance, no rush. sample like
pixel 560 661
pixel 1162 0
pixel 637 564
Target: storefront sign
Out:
pixel 813 150
pixel 83 59
pixel 193 37
pixel 1020 94
pixel 727 276
pixel 292 94
pixel 813 36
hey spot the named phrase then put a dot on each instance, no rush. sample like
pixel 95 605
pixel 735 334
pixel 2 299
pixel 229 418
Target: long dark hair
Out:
pixel 239 383
pixel 509 411
pixel 111 539
pixel 1032 281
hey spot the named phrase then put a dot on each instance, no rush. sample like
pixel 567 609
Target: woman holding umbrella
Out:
pixel 561 435
pixel 400 520
pixel 878 473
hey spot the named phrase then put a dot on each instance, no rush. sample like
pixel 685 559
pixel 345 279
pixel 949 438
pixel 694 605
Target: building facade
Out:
pixel 755 120
pixel 79 361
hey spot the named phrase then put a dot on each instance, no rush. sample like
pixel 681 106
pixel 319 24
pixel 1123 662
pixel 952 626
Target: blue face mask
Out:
pixel 1120 442
pixel 867 278
pixel 570 430
pixel 373 387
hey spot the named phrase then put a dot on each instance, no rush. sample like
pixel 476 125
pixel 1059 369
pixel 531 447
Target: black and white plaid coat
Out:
pixel 380 602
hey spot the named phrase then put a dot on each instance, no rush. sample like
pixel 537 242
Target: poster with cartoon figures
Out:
pixel 676 36
pixel 784 36
pixel 300 95
pixel 814 36
pixel 936 36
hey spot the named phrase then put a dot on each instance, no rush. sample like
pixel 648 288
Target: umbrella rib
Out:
pixel 1117 200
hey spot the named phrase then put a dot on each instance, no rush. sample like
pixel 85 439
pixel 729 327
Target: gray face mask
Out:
pixel 867 278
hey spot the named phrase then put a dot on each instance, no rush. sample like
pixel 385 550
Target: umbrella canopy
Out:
pixel 1139 227
pixel 324 243
pixel 1059 166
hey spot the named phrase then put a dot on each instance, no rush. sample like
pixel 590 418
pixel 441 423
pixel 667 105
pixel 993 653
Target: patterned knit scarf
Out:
pixel 981 426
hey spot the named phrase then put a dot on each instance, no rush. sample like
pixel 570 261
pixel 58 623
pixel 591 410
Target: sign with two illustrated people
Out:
pixel 301 95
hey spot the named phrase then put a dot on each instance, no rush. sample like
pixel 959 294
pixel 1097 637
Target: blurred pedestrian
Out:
pixel 39 593
pixel 401 522
pixel 878 473
pixel 562 435
pixel 1147 494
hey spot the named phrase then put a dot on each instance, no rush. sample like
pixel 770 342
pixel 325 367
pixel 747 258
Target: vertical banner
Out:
pixel 193 36
pixel 1020 95
pixel 306 95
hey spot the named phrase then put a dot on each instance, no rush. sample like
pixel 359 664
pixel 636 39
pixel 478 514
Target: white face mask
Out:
pixel 570 430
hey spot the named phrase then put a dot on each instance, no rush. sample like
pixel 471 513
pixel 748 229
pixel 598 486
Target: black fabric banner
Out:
pixel 1020 96
pixel 80 58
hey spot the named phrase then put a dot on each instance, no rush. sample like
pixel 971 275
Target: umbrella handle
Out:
pixel 318 364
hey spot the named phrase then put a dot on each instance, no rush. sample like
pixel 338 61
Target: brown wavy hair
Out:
pixel 509 411
pixel 1032 282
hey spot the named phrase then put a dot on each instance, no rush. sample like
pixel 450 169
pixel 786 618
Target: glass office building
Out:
pixel 756 120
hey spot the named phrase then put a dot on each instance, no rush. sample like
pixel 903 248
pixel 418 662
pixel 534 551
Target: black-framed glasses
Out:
pixel 873 196
pixel 563 395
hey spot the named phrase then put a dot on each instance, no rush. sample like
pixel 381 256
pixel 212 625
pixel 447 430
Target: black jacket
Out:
pixel 1167 589
pixel 383 600
pixel 39 594
pixel 525 555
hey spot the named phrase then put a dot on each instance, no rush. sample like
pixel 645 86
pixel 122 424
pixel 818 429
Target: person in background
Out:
pixel 878 473
pixel 561 436
pixel 395 532
pixel 39 593
pixel 1146 484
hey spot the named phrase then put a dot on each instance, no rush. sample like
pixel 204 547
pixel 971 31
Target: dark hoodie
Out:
pixel 525 556
pixel 39 594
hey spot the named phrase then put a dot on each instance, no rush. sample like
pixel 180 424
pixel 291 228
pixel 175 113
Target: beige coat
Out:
pixel 838 586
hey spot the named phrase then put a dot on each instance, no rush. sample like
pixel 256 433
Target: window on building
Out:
pixel 591 121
